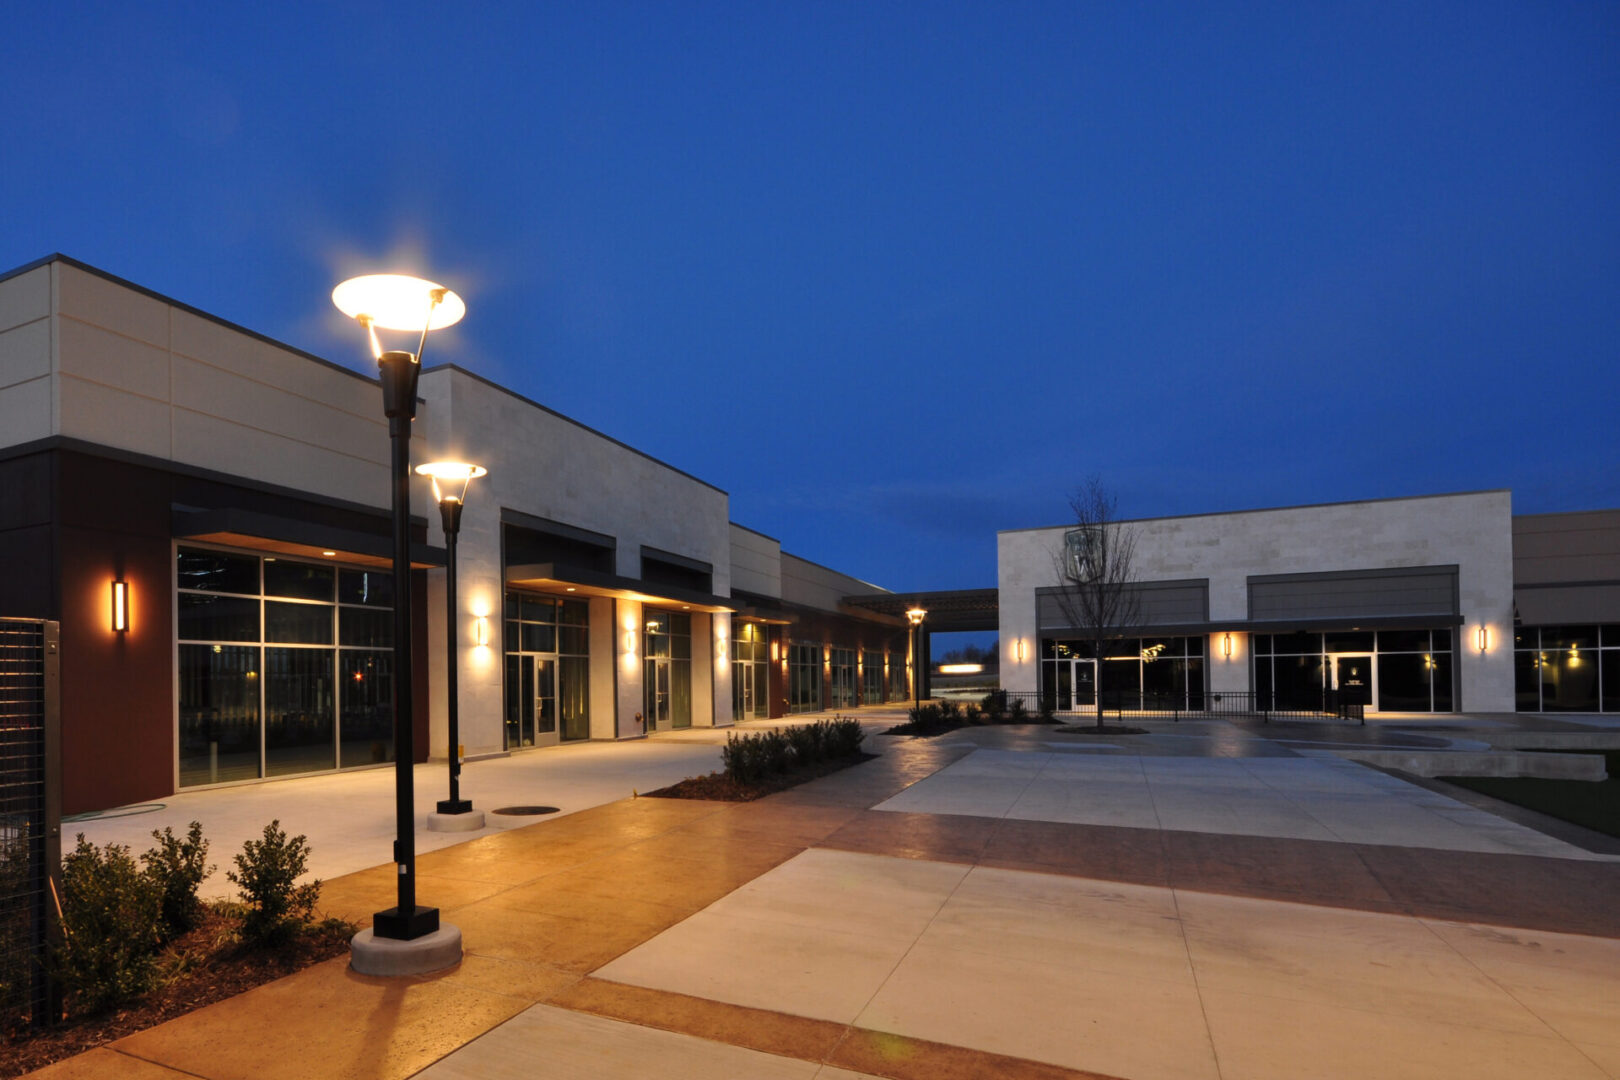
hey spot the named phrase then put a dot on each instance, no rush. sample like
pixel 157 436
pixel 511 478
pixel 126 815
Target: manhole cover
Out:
pixel 525 811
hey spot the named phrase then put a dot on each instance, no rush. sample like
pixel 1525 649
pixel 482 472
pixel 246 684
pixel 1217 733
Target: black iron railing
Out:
pixel 29 831
pixel 1150 705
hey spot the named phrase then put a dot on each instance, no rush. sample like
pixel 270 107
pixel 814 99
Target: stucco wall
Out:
pixel 1473 531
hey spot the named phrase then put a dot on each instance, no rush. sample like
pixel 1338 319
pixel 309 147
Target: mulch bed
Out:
pixel 226 973
pixel 721 788
pixel 1106 729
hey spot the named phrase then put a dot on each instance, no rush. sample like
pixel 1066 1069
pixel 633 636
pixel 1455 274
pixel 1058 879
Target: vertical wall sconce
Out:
pixel 1226 646
pixel 481 631
pixel 1021 653
pixel 120 606
pixel 1482 638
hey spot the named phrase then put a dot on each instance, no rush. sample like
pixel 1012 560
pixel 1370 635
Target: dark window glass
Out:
pixel 1526 637
pixel 1611 636
pixel 374 588
pixel 219 713
pixel 1527 681
pixel 1442 640
pixel 1440 679
pixel 574 696
pixel 1569 637
pixel 680 623
pixel 1296 644
pixel 218 618
pixel 680 646
pixel 298 581
pixel 1195 646
pixel 574 640
pixel 539 637
pixel 297 624
pixel 1611 679
pixel 366 627
pixel 1403 681
pixel 1195 682
pixel 1298 682
pixel 1350 641
pixel 1164 683
pixel 1402 641
pixel 216 571
pixel 1262 645
pixel 545 697
pixel 1263 696
pixel 1569 679
pixel 574 612
pixel 514 636
pixel 537 609
pixel 512 606
pixel 298 714
pixel 1123 649
pixel 366 696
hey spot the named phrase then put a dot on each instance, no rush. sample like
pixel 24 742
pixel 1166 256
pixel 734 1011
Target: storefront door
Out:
pixel 1353 679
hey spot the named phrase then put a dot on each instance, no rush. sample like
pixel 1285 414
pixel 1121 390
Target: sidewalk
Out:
pixel 870 925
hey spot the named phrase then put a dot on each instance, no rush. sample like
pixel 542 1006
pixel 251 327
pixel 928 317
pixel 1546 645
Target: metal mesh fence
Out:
pixel 25 831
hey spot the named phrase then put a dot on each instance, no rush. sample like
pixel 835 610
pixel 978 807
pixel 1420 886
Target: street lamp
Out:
pixel 398 302
pixel 455 808
pixel 916 616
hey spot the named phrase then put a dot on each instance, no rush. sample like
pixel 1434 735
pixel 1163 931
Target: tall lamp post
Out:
pixel 455 813
pixel 398 302
pixel 916 616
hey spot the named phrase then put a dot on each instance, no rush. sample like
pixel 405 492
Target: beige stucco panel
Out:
pixel 113 360
pixel 25 298
pixel 93 299
pixel 213 443
pixel 25 411
pixel 25 352
pixel 103 414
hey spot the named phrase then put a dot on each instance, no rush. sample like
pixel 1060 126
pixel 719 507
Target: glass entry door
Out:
pixel 658 685
pixel 1353 679
pixel 1076 684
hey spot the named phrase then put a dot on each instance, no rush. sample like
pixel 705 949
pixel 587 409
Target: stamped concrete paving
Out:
pixel 811 935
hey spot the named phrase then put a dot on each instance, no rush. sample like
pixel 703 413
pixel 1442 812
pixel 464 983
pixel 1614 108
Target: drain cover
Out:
pixel 525 811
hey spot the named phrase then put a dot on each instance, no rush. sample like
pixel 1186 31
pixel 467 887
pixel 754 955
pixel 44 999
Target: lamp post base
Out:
pixel 454 806
pixel 405 926
pixel 373 955
pixel 464 820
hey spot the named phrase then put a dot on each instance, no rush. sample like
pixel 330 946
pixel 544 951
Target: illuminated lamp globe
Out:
pixel 399 302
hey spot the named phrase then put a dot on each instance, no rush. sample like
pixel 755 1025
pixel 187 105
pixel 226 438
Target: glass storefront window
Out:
pixel 804 678
pixel 547 674
pixel 278 673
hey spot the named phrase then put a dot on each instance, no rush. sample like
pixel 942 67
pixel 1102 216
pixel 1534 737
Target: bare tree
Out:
pixel 1097 592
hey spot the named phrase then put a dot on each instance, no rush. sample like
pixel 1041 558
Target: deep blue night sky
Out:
pixel 899 275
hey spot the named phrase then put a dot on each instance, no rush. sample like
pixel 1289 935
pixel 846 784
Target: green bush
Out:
pixel 16 957
pixel 177 868
pixel 971 714
pixel 994 706
pixel 1018 712
pixel 950 713
pixel 112 922
pixel 752 757
pixel 1046 710
pixel 267 872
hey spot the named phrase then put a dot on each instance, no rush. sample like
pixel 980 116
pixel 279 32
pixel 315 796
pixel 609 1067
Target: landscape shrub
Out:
pixel 994 706
pixel 267 872
pixel 177 867
pixel 950 713
pixel 1046 710
pixel 971 714
pixel 1017 712
pixel 112 923
pixel 751 757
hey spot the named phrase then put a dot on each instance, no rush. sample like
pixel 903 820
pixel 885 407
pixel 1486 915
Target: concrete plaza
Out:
pixel 1211 900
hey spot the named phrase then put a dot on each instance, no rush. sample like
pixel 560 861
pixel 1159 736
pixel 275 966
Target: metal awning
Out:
pixel 296 537
pixel 560 578
pixel 948 611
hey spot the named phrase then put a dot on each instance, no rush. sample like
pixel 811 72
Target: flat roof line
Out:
pixel 1275 509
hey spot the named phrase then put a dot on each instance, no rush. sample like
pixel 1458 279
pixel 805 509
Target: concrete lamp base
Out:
pixel 372 955
pixel 469 821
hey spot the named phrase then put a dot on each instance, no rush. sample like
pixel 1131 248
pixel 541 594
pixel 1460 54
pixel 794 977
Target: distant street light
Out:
pixel 916 616
pixel 452 472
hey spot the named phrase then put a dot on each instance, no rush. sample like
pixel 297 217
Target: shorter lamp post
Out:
pixel 450 504
pixel 916 616
pixel 401 303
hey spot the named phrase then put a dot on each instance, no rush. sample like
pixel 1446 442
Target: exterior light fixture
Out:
pixel 1482 638
pixel 1020 650
pixel 481 631
pixel 120 607
pixel 399 303
pixel 915 617
pixel 1226 646
pixel 450 501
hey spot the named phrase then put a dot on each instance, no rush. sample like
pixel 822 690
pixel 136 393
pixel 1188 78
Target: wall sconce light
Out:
pixel 481 631
pixel 1226 646
pixel 1482 638
pixel 630 644
pixel 120 606
pixel 1021 650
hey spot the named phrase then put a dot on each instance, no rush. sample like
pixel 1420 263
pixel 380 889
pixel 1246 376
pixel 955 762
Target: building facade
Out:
pixel 1440 603
pixel 237 490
